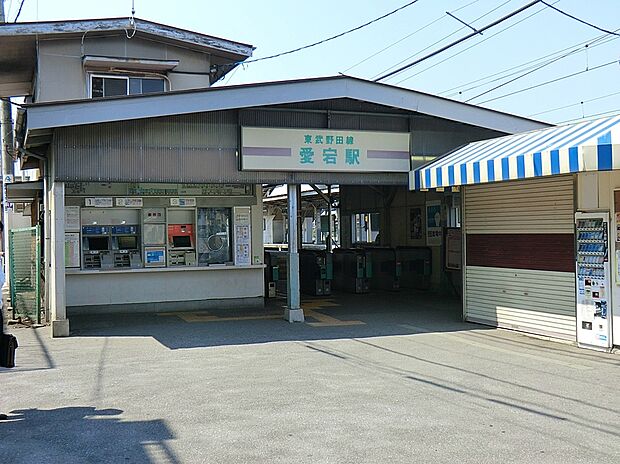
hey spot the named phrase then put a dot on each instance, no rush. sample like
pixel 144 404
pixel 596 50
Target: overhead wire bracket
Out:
pixel 464 23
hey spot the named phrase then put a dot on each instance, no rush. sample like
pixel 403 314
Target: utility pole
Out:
pixel 6 141
pixel 6 121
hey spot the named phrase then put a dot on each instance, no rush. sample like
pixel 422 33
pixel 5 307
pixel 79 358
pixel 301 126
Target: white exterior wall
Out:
pixel 534 301
pixel 99 288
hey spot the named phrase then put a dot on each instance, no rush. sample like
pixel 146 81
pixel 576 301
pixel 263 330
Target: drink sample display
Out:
pixel 593 280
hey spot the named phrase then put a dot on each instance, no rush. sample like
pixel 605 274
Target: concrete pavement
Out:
pixel 405 381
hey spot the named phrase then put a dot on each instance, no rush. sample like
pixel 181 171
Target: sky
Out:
pixel 529 40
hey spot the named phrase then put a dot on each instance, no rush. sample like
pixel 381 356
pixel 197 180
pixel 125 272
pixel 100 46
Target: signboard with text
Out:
pixel 267 149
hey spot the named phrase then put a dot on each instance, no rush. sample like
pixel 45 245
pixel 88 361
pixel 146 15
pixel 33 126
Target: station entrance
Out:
pixel 376 244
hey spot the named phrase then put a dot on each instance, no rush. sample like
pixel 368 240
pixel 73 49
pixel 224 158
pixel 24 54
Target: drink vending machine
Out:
pixel 593 281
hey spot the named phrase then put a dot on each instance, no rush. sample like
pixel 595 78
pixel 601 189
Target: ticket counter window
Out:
pixel 213 236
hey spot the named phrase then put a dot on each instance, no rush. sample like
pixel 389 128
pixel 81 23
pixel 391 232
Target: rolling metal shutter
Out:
pixel 509 282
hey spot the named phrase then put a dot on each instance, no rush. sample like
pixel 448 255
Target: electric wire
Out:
pixel 594 115
pixel 320 42
pixel 471 46
pixel 19 11
pixel 526 73
pixel 591 43
pixel 549 82
pixel 438 41
pixel 579 19
pixel 406 37
pixel 601 97
pixel 456 42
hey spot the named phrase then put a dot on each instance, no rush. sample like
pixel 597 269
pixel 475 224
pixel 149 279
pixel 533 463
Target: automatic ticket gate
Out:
pixel 386 269
pixel 276 265
pixel 316 272
pixel 416 267
pixel 352 270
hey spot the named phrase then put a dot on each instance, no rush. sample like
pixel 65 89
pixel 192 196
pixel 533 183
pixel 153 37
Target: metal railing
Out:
pixel 25 272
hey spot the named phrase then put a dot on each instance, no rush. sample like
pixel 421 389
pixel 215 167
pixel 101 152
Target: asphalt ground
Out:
pixel 392 377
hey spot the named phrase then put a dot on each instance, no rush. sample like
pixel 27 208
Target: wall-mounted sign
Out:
pixel 415 223
pixel 182 202
pixel 72 218
pixel 129 202
pixel 99 202
pixel 243 237
pixel 453 248
pixel 266 149
pixel 72 249
pixel 150 189
pixel 433 223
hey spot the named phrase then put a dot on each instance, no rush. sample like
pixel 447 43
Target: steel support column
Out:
pixel 293 311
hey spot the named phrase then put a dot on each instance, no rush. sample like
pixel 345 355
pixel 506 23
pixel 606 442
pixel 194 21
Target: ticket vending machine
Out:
pixel 593 281
pixel 126 246
pixel 96 250
pixel 181 245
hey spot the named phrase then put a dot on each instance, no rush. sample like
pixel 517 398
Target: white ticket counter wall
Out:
pixel 133 246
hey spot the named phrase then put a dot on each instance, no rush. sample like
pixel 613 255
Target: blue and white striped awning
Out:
pixel 584 146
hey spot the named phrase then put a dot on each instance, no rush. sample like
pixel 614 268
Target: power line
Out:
pixel 575 104
pixel 277 55
pixel 438 41
pixel 19 11
pixel 471 46
pixel 590 116
pixel 591 43
pixel 468 36
pixel 406 37
pixel 549 82
pixel 579 19
pixel 526 73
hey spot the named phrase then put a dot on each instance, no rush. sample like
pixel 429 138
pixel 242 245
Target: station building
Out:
pixel 150 180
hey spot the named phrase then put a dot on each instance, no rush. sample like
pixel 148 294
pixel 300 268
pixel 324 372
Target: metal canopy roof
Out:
pixel 24 191
pixel 18 45
pixel 580 147
pixel 44 116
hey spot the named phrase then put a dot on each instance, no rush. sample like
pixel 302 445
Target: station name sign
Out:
pixel 326 150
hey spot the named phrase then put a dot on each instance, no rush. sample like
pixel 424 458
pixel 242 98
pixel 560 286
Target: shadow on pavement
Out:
pixel 82 434
pixel 347 316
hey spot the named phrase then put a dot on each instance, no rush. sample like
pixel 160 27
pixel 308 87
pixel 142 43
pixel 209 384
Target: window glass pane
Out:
pixel 112 87
pixel 97 87
pixel 135 86
pixel 152 85
pixel 213 236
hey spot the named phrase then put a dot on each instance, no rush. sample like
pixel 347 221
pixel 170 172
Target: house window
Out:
pixel 111 86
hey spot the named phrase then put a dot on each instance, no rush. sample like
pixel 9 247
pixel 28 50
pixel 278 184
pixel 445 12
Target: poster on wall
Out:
pixel 453 249
pixel 243 237
pixel 72 218
pixel 433 223
pixel 72 249
pixel 415 223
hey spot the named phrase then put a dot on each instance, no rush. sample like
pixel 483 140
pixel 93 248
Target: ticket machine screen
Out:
pixel 181 235
pixel 98 243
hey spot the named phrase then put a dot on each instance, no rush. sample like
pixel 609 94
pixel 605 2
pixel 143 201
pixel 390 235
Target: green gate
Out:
pixel 25 272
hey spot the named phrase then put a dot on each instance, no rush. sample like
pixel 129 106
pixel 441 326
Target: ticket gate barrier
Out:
pixel 315 272
pixel 416 266
pixel 386 268
pixel 276 265
pixel 352 270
